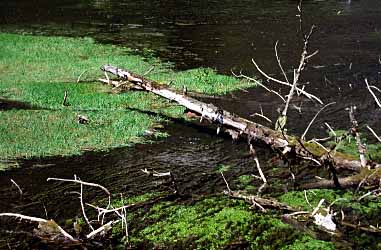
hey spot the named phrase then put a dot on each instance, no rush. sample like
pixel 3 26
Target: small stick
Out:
pixel 365 179
pixel 79 77
pixel 148 71
pixel 308 95
pixel 64 99
pixel 330 129
pixel 83 209
pixel 252 151
pixel 313 119
pixel 354 130
pixel 372 93
pixel 101 229
pixel 279 63
pixel 18 187
pixel 36 219
pixel 374 133
pixel 264 117
pixel 260 84
pixel 305 197
pixel 227 184
pixel 317 207
pixel 108 79
pixel 320 145
pixel 81 182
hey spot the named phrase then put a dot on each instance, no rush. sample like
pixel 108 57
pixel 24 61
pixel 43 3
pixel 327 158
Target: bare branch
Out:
pixel 374 133
pixel 372 93
pixel 81 182
pixel 260 115
pixel 40 220
pixel 279 63
pixel 254 153
pixel 260 84
pixel 18 187
pixel 308 95
pixel 79 77
pixel 105 227
pixel 355 133
pixel 313 119
pixel 83 209
pixel 330 129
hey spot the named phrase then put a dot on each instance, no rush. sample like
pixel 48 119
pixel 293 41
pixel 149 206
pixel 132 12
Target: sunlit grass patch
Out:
pixel 39 71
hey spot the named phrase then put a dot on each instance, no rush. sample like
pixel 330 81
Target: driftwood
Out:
pixel 237 126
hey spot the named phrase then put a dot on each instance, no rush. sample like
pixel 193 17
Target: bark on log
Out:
pixel 288 146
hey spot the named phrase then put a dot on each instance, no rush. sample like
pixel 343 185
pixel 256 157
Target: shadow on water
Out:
pixel 224 35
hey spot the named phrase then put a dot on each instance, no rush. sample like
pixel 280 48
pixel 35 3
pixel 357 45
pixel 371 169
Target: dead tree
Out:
pixel 287 146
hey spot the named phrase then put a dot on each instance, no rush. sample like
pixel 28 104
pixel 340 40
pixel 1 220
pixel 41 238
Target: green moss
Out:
pixel 297 198
pixel 245 182
pixel 309 243
pixel 223 168
pixel 368 208
pixel 348 146
pixel 39 70
pixel 211 223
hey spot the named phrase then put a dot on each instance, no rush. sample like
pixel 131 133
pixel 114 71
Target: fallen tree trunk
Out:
pixel 287 146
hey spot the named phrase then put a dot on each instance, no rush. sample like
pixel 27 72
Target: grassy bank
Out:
pixel 38 70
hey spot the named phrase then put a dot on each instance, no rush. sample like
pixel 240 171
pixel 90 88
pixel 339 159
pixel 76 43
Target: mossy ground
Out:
pixel 38 70
pixel 213 223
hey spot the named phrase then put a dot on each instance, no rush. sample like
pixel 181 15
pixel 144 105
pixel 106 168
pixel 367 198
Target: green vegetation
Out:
pixel 39 70
pixel 214 223
pixel 348 146
pixel 345 200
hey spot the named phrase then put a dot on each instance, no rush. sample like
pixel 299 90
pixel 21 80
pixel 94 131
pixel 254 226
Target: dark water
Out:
pixel 224 35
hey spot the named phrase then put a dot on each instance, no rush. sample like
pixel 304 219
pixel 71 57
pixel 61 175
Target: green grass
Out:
pixel 38 71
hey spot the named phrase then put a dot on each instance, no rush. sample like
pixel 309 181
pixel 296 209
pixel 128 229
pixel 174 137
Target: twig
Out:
pixel 227 184
pixel 372 93
pixel 83 209
pixel 105 227
pixel 148 71
pixel 254 153
pixel 155 173
pixel 64 99
pixel 18 187
pixel 355 133
pixel 81 182
pixel 106 75
pixel 374 133
pixel 279 63
pixel 36 219
pixel 330 129
pixel 260 115
pixel 365 179
pixel 260 84
pixel 320 145
pixel 313 119
pixel 317 207
pixel 308 95
pixel 305 197
pixel 79 77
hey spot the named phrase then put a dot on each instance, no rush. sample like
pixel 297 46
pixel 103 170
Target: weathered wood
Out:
pixel 284 144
